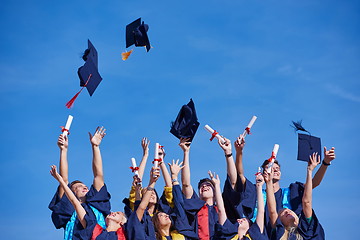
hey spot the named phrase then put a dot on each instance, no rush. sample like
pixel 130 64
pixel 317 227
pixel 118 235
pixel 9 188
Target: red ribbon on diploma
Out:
pixel 133 169
pixel 213 135
pixel 247 129
pixel 272 157
pixel 159 160
pixel 63 129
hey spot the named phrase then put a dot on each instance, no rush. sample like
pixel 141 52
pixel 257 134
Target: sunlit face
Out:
pixel 243 224
pixel 206 190
pixel 288 218
pixel 164 219
pixel 118 217
pixel 153 198
pixel 79 189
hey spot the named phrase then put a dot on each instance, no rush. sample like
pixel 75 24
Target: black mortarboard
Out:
pixel 307 144
pixel 186 123
pixel 136 33
pixel 88 73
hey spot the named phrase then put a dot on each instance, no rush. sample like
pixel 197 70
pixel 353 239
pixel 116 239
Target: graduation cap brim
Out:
pixel 186 123
pixel 307 145
pixel 89 72
pixel 136 34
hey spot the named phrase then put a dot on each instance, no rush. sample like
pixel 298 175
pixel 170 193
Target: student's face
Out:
pixel 79 189
pixel 288 218
pixel 243 224
pixel 206 190
pixel 153 198
pixel 118 217
pixel 164 219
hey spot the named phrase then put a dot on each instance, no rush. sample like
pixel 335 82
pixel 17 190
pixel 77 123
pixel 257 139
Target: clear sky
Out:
pixel 278 60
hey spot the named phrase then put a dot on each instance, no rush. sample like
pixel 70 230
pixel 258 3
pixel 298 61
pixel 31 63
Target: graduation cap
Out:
pixel 136 34
pixel 88 73
pixel 307 144
pixel 186 123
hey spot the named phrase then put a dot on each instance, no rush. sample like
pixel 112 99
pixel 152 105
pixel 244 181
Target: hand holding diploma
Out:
pixel 273 157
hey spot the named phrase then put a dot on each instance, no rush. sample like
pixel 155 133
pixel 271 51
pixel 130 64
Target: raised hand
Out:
pixel 175 168
pixel 239 144
pixel 185 144
pixel 145 145
pixel 98 136
pixel 226 146
pixel 63 142
pixel 215 180
pixel 313 161
pixel 154 174
pixel 54 173
pixel 259 179
pixel 329 155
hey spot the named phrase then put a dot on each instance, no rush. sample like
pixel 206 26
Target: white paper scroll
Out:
pixel 134 167
pixel 249 126
pixel 67 126
pixel 210 130
pixel 156 162
pixel 273 157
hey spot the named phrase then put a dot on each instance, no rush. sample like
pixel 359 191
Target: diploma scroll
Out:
pixel 134 167
pixel 214 134
pixel 249 126
pixel 67 126
pixel 273 157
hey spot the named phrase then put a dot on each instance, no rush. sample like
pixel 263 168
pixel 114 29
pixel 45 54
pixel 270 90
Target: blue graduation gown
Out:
pixel 62 209
pixel 308 230
pixel 192 206
pixel 179 218
pixel 140 230
pixel 229 230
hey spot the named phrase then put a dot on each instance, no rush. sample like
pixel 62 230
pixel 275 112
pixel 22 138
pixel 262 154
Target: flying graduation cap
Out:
pixel 136 34
pixel 307 144
pixel 186 123
pixel 88 73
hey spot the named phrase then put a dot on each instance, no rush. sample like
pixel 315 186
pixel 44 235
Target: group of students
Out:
pixel 243 210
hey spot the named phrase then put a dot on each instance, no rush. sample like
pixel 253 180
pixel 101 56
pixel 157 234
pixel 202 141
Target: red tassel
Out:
pixel 70 103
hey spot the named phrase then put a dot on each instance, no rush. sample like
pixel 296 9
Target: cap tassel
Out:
pixel 125 55
pixel 70 103
pixel 298 127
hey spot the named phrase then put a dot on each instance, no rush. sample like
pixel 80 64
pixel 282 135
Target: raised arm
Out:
pixel 270 197
pixel 154 175
pixel 164 170
pixel 218 197
pixel 260 202
pixel 307 197
pixel 63 163
pixel 230 165
pixel 320 173
pixel 80 211
pixel 239 146
pixel 97 166
pixel 187 189
pixel 145 146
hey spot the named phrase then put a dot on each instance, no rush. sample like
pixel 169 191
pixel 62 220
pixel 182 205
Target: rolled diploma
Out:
pixel 210 130
pixel 133 163
pixel 274 153
pixel 156 163
pixel 67 125
pixel 249 126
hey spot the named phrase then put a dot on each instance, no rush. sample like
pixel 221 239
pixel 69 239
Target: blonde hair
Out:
pixel 291 232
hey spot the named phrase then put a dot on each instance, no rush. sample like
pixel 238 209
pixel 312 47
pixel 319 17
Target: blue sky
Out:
pixel 278 60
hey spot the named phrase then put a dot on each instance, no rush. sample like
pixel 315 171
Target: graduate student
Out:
pixel 175 226
pixel 165 201
pixel 285 197
pixel 91 229
pixel 94 200
pixel 285 223
pixel 139 226
pixel 201 210
pixel 243 228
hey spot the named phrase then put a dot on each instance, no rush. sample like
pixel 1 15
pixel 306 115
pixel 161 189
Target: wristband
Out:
pixel 228 155
pixel 174 180
pixel 326 164
pixel 150 189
